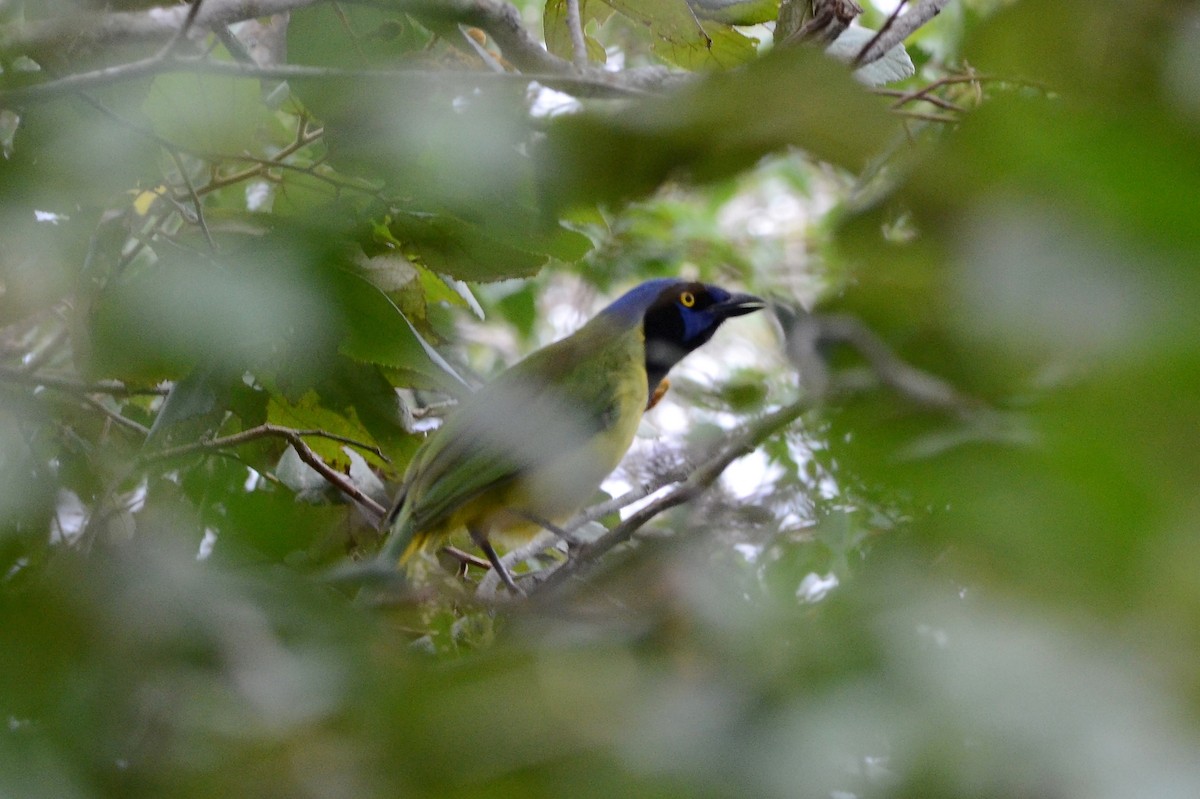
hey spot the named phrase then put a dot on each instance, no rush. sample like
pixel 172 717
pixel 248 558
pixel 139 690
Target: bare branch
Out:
pixel 595 83
pixel 500 20
pixel 490 581
pixel 267 430
pixel 115 417
pixel 918 14
pixel 73 386
pixel 597 512
pixel 903 98
pixel 296 439
pixel 575 26
pixel 736 446
pixel 133 27
pixel 547 538
pixel 184 29
pixel 197 205
pixel 916 385
pixel 887 25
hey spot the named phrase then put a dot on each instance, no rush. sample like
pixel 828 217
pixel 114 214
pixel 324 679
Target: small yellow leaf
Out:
pixel 143 202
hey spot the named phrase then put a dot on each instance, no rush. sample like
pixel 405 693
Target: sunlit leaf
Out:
pixel 308 413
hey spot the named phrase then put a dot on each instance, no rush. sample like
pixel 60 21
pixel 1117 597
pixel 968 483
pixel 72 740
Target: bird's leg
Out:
pixel 481 541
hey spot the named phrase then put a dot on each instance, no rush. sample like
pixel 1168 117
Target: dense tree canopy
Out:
pixel 929 528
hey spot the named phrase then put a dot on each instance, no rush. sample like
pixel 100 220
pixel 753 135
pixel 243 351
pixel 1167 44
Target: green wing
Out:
pixel 555 400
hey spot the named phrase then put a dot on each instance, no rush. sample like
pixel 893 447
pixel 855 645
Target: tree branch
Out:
pixel 73 386
pixel 594 83
pixel 500 20
pixel 575 26
pixel 736 446
pixel 296 439
pixel 161 24
pixel 546 538
pixel 898 29
pixel 887 25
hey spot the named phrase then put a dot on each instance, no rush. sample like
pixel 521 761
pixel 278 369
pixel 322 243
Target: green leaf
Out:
pixel 713 128
pixel 558 35
pixel 736 12
pixel 308 413
pixel 670 20
pixel 726 48
pixel 206 113
pixel 376 330
pixel 680 37
pixel 194 409
pixel 520 309
pixel 300 194
pixel 352 35
pixel 461 250
pixel 244 311
pixel 65 153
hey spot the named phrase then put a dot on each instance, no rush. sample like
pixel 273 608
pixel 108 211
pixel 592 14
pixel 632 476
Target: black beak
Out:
pixel 738 305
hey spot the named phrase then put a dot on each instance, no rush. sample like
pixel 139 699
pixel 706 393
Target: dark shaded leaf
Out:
pixel 713 128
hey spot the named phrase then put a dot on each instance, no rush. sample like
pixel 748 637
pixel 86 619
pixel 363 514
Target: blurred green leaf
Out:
pixel 352 36
pixel 206 113
pixel 461 250
pixel 66 154
pixel 520 309
pixel 189 309
pixel 712 129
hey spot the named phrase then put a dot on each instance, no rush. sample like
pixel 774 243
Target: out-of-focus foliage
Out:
pixel 969 569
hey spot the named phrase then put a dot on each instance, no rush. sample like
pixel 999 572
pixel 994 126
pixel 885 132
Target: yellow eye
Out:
pixel 687 299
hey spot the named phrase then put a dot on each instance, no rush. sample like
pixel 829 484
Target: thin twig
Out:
pixel 266 430
pixel 117 418
pixel 737 445
pixel 184 28
pixel 904 26
pixel 924 117
pixel 908 97
pixel 303 138
pixel 468 558
pixel 490 582
pixel 72 386
pixel 556 73
pixel 546 538
pixel 887 25
pixel 599 511
pixel 197 204
pixel 575 26
pixel 305 453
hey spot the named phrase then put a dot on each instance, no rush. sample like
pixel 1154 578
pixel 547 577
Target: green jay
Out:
pixel 530 448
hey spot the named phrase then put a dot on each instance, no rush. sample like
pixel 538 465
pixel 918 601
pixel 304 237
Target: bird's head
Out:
pixel 677 316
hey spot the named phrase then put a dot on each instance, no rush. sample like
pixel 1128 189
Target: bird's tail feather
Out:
pixel 402 541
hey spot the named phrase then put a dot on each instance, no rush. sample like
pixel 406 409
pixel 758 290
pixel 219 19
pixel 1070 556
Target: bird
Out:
pixel 527 450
